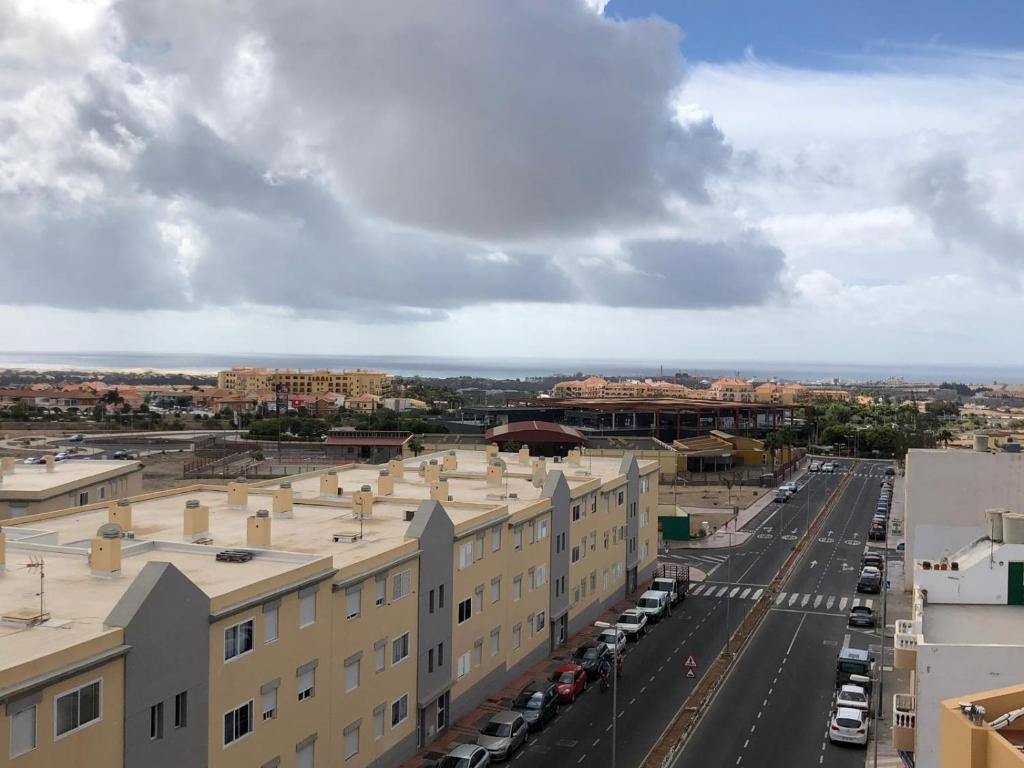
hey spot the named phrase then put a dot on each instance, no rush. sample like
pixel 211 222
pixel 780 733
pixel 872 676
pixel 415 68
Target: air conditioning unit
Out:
pixel 513 495
pixel 345 538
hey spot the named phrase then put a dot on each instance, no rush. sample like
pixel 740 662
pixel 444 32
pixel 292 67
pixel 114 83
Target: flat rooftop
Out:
pixel 34 480
pixel 973 624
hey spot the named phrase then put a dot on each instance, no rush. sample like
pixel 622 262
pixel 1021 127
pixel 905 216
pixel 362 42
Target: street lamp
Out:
pixel 728 578
pixel 615 679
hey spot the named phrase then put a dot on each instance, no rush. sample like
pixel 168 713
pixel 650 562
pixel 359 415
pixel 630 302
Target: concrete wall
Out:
pixel 983 582
pixel 947 493
pixel 165 619
pixel 952 671
pixel 128 484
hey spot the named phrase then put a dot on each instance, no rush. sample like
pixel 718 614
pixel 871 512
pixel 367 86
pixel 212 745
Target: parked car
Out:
pixel 76 438
pixel 672 578
pixel 890 472
pixel 34 460
pixel 828 466
pixel 633 622
pixel 861 616
pixel 654 605
pixel 570 680
pixel 614 639
pixel 120 454
pixel 814 466
pixel 877 533
pixel 854 697
pixel 590 656
pixel 465 756
pixel 792 486
pixel 870 581
pixel 537 703
pixel 855 666
pixel 848 726
pixel 61 456
pixel 503 735
pixel 874 559
pixel 782 495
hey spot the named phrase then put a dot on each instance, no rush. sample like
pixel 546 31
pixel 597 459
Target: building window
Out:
pixel 575 554
pixel 430 660
pixel 622 498
pixel 307 609
pixel 495 640
pixel 479 546
pixel 379 654
pixel 593 540
pixel 352 741
pixel 529 626
pixel 238 723
pixel 442 711
pixel 269 704
pixel 575 512
pixel 517 636
pixel 351 674
pixel 430 601
pixel 465 554
pixel 517 537
pixel 478 652
pixel 78 708
pixel 542 530
pixel 353 602
pixel 465 610
pixel 530 531
pixel 238 640
pixel 606 539
pixel 496 538
pixel 463 665
pixel 270 618
pixel 382 591
pixel 400 711
pixel 378 722
pixel 575 595
pixel 306 756
pixel 517 588
pixel 181 710
pixel 496 589
pixel 440 596
pixel 542 576
pixel 307 680
pixel 540 621
pixel 23 731
pixel 531 575
pixel 478 595
pixel 401 585
pixel 593 581
pixel 156 721
pixel 399 649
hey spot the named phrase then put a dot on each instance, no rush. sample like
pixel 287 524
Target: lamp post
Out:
pixel 728 577
pixel 615 680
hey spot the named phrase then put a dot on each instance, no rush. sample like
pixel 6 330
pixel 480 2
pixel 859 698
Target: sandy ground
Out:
pixel 163 471
pixel 710 496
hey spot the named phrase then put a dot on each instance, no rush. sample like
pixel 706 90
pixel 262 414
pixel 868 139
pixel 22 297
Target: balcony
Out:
pixel 905 645
pixel 904 721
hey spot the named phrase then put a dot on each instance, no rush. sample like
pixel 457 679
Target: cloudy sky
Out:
pixel 633 179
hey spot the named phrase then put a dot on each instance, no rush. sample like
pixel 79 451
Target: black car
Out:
pixel 590 655
pixel 877 533
pixel 889 472
pixel 870 581
pixel 873 559
pixel 861 616
pixel 537 703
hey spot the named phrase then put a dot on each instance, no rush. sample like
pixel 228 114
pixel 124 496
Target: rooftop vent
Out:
pixel 192 504
pixel 262 513
pixel 365 489
pixel 234 556
pixel 286 484
pixel 409 515
pixel 346 538
pixel 109 531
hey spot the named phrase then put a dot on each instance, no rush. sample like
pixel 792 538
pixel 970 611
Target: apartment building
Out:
pixel 339 619
pixel 984 730
pixel 351 383
pixel 31 489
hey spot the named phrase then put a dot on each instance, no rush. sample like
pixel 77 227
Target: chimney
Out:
pixel 574 457
pixel 257 530
pixel 197 520
pixel 539 472
pixel 451 461
pixel 121 513
pixel 283 505
pixel 439 490
pixel 433 471
pixel 397 469
pixel 329 483
pixel 495 472
pixel 492 451
pixel 238 494
pixel 50 462
pixel 362 502
pixel 105 556
pixel 524 455
pixel 3 551
pixel 385 485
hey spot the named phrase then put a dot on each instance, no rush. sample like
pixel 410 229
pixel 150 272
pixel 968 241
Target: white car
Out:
pixel 848 726
pixel 613 638
pixel 852 697
pixel 654 604
pixel 828 466
pixel 633 622
pixel 791 486
pixel 62 456
pixel 814 467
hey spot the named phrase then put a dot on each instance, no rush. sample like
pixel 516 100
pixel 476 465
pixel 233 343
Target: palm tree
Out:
pixel 415 445
pixel 945 436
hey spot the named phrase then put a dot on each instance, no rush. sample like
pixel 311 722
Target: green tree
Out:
pixel 415 445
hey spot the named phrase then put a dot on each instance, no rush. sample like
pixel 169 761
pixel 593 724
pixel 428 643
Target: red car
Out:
pixel 571 681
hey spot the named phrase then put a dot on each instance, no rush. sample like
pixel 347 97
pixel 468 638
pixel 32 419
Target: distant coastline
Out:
pixel 511 368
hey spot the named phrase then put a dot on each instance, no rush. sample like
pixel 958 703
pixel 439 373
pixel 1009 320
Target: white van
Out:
pixel 653 604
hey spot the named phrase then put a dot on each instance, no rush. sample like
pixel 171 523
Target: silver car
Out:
pixel 504 733
pixel 466 756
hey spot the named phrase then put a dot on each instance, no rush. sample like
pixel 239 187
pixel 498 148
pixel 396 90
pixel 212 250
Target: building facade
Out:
pixel 351 383
pixel 340 619
pixel 31 489
pixel 976 736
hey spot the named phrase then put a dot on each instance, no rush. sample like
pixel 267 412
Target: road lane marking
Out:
pixel 733 592
pixel 722 591
pixel 856 602
pixel 807 599
pixel 596 742
pixel 793 641
pixel 792 598
pixel 697 589
pixel 757 594
pixel 744 593
pixel 842 604
pixel 817 600
pixel 869 603
pixel 828 603
pixel 582 758
pixel 780 598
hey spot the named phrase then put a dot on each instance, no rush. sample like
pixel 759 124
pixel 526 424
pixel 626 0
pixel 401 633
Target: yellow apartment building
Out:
pixel 351 383
pixel 343 618
pixel 983 730
pixel 28 489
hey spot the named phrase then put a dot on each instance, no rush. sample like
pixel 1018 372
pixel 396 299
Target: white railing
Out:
pixel 904 710
pixel 905 637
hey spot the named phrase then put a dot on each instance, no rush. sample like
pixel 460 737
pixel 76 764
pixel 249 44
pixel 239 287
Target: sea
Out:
pixel 518 367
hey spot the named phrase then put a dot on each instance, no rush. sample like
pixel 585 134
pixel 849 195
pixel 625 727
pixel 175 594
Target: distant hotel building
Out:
pixel 731 390
pixel 353 383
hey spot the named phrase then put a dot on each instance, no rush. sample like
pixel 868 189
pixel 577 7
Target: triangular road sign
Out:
pixel 690 662
pixel 689 673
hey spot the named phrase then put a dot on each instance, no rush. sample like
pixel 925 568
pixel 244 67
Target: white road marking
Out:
pixel 757 594
pixel 856 602
pixel 722 591
pixel 792 598
pixel 733 592
pixel 807 599
pixel 869 603
pixel 744 593
pixel 780 598
pixel 842 604
pixel 817 600
pixel 697 590
pixel 828 603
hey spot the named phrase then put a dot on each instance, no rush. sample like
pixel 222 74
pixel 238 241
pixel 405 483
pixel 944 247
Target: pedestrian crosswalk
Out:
pixel 783 599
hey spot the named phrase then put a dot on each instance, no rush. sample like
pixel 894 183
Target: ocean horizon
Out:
pixel 514 368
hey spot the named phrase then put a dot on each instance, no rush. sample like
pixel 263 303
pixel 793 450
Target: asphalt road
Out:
pixel 774 707
pixel 654 683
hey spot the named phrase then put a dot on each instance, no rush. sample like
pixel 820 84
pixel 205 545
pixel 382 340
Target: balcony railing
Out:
pixel 904 721
pixel 906 637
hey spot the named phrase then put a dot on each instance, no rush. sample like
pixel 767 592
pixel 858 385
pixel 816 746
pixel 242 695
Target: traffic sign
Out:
pixel 690 662
pixel 689 673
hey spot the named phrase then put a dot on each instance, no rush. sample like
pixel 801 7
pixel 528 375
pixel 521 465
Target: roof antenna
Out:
pixel 33 564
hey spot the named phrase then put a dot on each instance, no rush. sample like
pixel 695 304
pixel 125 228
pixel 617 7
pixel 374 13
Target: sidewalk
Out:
pixel 466 729
pixel 731 534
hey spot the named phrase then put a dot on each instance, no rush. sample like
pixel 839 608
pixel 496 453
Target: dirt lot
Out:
pixel 163 471
pixel 710 496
